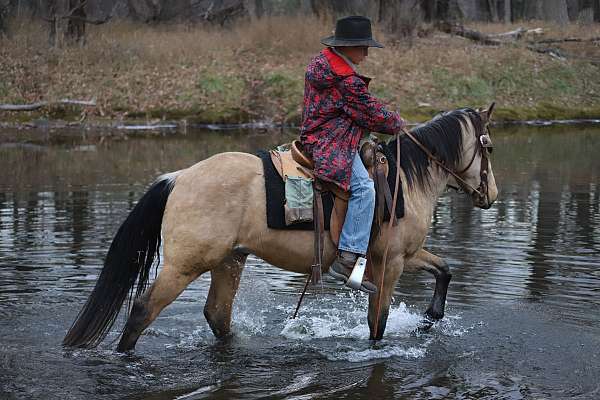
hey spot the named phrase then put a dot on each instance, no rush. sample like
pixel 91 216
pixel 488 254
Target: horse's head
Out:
pixel 475 168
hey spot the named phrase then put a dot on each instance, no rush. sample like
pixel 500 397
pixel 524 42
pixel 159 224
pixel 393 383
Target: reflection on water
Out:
pixel 526 277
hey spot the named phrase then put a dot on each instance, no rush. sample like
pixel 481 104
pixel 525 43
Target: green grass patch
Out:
pixel 221 90
pixel 462 89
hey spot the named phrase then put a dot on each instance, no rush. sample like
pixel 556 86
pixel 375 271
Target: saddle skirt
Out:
pixel 294 163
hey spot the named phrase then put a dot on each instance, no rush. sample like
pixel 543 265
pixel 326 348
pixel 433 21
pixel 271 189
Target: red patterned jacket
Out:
pixel 338 110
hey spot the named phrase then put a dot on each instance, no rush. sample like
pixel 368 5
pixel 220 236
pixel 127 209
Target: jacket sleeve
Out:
pixel 366 110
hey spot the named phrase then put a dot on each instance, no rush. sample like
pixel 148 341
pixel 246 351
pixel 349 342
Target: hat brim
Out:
pixel 331 41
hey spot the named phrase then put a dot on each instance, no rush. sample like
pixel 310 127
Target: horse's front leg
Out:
pixel 440 270
pixel 393 270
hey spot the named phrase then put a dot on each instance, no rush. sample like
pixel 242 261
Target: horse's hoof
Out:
pixel 424 325
pixel 433 315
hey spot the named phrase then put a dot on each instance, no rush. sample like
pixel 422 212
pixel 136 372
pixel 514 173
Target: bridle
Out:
pixel 483 146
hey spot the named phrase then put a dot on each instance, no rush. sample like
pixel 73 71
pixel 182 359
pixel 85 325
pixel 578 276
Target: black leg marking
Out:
pixel 436 308
pixel 134 327
pixel 381 328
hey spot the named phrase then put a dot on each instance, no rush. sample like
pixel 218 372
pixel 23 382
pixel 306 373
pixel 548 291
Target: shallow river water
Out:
pixel 523 311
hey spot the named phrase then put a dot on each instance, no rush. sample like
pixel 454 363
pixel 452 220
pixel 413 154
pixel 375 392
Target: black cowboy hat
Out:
pixel 352 31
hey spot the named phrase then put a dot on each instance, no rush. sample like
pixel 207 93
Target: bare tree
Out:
pixel 507 12
pixel 554 10
pixel 67 22
pixel 145 10
pixel 4 9
pixel 440 10
pixel 493 9
pixel 400 18
pixel 596 6
pixel 255 8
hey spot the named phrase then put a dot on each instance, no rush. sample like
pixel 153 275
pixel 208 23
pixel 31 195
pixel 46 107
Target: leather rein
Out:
pixel 483 146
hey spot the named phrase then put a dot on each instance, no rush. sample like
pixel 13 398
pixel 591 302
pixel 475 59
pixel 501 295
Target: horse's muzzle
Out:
pixel 482 202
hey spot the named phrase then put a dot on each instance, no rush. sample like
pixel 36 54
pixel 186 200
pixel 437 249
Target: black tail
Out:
pixel 132 253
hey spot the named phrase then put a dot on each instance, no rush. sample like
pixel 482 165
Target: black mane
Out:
pixel 442 136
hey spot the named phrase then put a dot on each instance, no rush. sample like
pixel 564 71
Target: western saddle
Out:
pixel 294 162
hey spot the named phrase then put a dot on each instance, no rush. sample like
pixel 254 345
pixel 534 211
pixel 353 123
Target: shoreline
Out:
pixel 182 125
pixel 69 116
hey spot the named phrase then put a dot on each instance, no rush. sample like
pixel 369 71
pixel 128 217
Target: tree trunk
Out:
pixel 67 22
pixel 255 8
pixel 493 7
pixel 507 12
pixel 145 10
pixel 555 10
pixel 446 10
pixel 428 9
pixel 4 6
pixel 76 24
pixel 400 18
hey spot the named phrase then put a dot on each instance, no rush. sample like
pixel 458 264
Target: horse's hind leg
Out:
pixel 440 270
pixel 224 283
pixel 168 285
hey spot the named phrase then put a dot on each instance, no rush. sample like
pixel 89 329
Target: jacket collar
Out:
pixel 338 65
pixel 346 59
pixel 341 66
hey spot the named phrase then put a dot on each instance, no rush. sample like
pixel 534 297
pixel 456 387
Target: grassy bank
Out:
pixel 255 72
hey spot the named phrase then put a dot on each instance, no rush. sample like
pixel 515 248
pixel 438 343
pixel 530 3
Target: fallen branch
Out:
pixel 459 30
pixel 517 33
pixel 565 40
pixel 88 21
pixel 551 51
pixel 35 106
pixel 493 39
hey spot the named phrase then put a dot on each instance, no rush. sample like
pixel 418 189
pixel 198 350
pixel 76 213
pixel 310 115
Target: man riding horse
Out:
pixel 338 112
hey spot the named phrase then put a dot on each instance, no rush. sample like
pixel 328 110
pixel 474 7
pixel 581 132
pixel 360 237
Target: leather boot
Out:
pixel 342 268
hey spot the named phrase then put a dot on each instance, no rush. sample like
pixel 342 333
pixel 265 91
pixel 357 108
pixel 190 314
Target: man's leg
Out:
pixel 354 239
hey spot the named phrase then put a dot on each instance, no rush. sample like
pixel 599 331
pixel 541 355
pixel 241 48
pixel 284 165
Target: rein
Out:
pixel 483 143
pixel 387 236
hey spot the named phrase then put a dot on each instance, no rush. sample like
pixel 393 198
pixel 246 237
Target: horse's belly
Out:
pixel 290 250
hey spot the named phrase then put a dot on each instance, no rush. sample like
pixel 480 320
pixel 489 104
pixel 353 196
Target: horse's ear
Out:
pixel 486 114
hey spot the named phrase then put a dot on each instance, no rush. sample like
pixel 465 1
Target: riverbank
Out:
pixel 254 72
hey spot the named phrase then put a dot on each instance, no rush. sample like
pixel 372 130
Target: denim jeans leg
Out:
pixel 361 207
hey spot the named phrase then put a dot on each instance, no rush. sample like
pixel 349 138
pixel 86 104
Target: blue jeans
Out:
pixel 361 207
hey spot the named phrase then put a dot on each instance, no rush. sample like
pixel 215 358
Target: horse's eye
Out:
pixel 485 141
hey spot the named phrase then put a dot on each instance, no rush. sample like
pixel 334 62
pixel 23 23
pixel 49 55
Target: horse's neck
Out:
pixel 419 205
pixel 421 200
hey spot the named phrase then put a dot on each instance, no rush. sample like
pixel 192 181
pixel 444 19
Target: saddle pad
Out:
pixel 275 189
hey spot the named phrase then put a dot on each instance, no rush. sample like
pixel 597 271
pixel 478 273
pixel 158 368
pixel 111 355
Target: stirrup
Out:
pixel 356 277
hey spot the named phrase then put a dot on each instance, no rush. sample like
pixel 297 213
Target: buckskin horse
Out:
pixel 212 215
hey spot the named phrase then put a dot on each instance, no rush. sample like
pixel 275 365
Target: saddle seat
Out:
pixel 294 162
